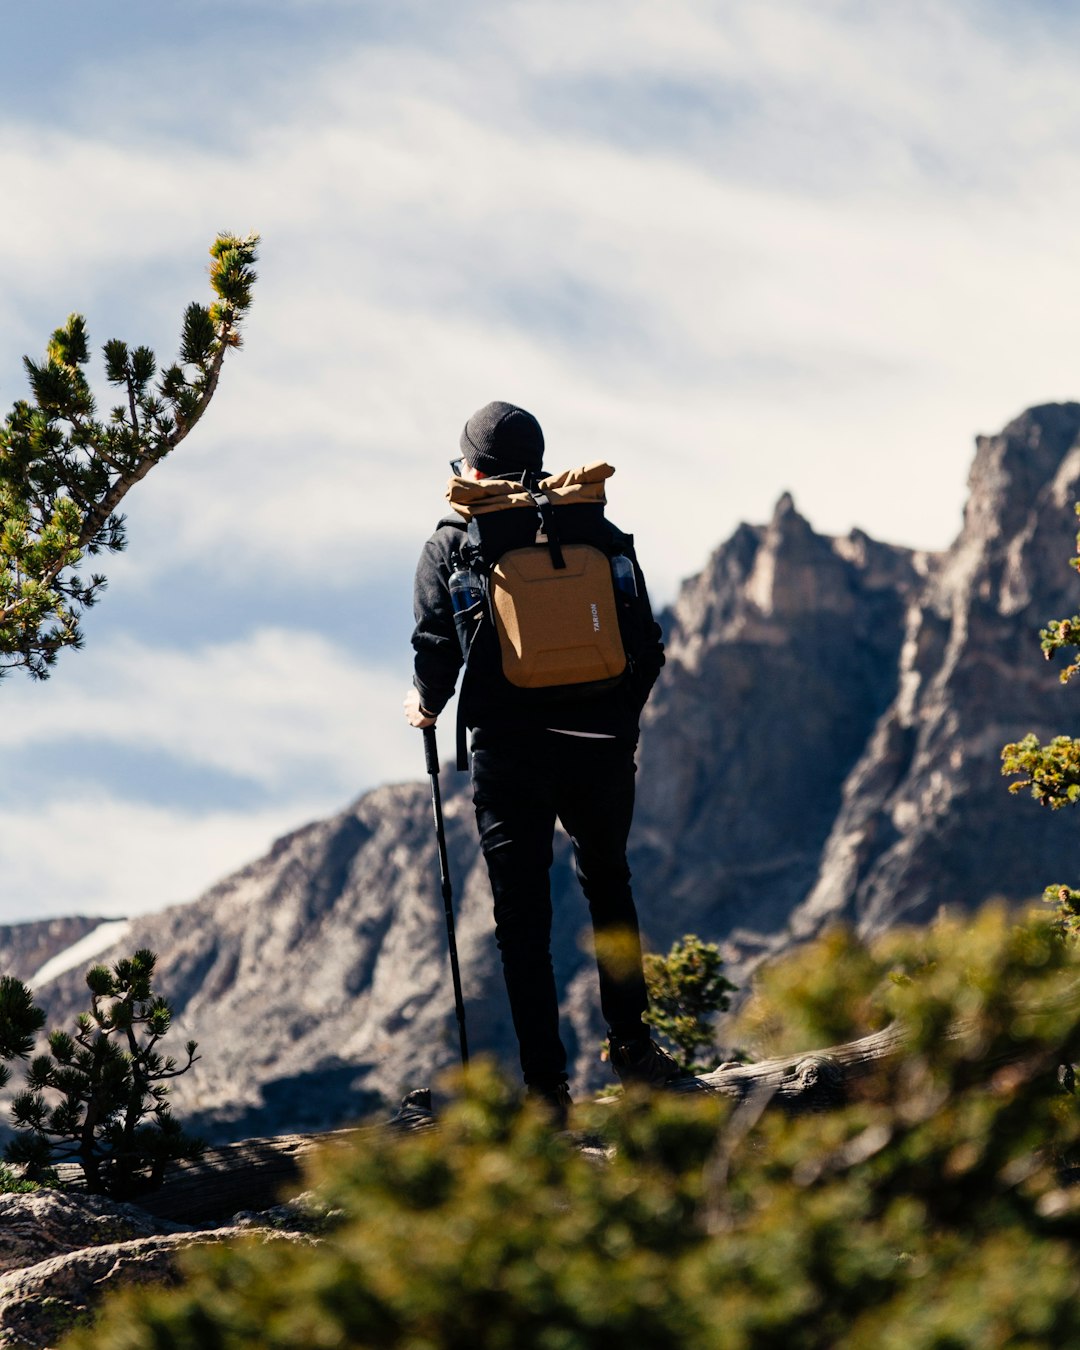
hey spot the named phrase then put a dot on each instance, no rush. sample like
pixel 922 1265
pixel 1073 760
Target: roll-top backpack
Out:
pixel 551 576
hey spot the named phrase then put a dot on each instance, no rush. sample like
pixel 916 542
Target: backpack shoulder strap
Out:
pixel 469 556
pixel 618 540
pixel 470 550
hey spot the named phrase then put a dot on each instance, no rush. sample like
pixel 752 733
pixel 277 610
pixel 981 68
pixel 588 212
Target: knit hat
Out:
pixel 502 438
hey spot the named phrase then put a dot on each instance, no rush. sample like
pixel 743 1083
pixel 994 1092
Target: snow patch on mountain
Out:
pixel 98 940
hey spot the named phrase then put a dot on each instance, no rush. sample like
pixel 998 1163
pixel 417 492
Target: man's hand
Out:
pixel 414 713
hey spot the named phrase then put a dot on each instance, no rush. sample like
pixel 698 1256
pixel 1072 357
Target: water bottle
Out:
pixel 466 596
pixel 622 569
pixel 465 589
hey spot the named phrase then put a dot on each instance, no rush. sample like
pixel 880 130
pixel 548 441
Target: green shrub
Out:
pixel 929 1210
pixel 13 1184
pixel 686 989
pixel 98 1097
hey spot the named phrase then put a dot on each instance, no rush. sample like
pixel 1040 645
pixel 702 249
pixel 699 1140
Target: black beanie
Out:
pixel 503 438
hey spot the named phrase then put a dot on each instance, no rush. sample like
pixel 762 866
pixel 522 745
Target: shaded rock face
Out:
pixel 926 820
pixel 823 743
pixel 782 656
pixel 316 980
pixel 25 947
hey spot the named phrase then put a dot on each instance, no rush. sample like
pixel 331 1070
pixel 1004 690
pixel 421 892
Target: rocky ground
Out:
pixel 61 1252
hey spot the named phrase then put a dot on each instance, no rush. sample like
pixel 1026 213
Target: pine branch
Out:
pixel 63 473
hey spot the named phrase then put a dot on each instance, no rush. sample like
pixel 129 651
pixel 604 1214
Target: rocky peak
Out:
pixel 797 571
pixel 781 663
pixel 926 819
pixel 1011 469
pixel 764 579
pixel 709 604
pixel 1019 478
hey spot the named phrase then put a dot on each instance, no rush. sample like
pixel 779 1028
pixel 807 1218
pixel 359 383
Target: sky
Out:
pixel 736 248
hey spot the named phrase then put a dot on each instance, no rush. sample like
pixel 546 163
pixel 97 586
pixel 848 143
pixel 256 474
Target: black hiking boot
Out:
pixel 415 1111
pixel 643 1061
pixel 553 1100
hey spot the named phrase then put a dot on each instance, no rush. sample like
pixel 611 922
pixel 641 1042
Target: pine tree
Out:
pixel 686 988
pixel 98 1097
pixel 64 471
pixel 20 1021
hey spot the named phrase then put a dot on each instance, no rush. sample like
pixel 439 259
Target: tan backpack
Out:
pixel 547 570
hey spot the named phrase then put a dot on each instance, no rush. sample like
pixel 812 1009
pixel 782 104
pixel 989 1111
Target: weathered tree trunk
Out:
pixel 815 1081
pixel 252 1175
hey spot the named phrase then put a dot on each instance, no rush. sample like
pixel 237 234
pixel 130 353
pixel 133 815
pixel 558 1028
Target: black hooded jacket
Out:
pixel 493 702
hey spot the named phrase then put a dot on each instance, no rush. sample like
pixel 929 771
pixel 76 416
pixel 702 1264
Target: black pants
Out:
pixel 522 781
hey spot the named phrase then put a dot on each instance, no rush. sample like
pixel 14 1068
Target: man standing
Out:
pixel 569 757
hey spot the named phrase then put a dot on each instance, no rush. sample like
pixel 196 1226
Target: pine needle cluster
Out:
pixel 64 470
pixel 98 1097
pixel 1052 771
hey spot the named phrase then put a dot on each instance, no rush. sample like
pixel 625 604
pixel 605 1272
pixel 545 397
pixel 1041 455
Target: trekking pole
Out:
pixel 431 755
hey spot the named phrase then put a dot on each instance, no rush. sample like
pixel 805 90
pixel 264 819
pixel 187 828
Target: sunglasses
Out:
pixel 456 465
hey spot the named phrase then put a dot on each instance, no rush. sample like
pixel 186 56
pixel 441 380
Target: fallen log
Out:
pixel 254 1174
pixel 249 1176
pixel 815 1081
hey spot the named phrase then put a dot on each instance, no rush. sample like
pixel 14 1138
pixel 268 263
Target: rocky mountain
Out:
pixel 925 821
pixel 782 657
pixel 26 947
pixel 823 744
pixel 826 744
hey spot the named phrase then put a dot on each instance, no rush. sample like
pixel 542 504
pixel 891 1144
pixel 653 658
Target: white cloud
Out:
pixel 268 707
pixel 116 858
pixel 734 249
pixel 764 334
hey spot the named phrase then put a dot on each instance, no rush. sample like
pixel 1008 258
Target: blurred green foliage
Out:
pixel 932 1209
pixel 1067 902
